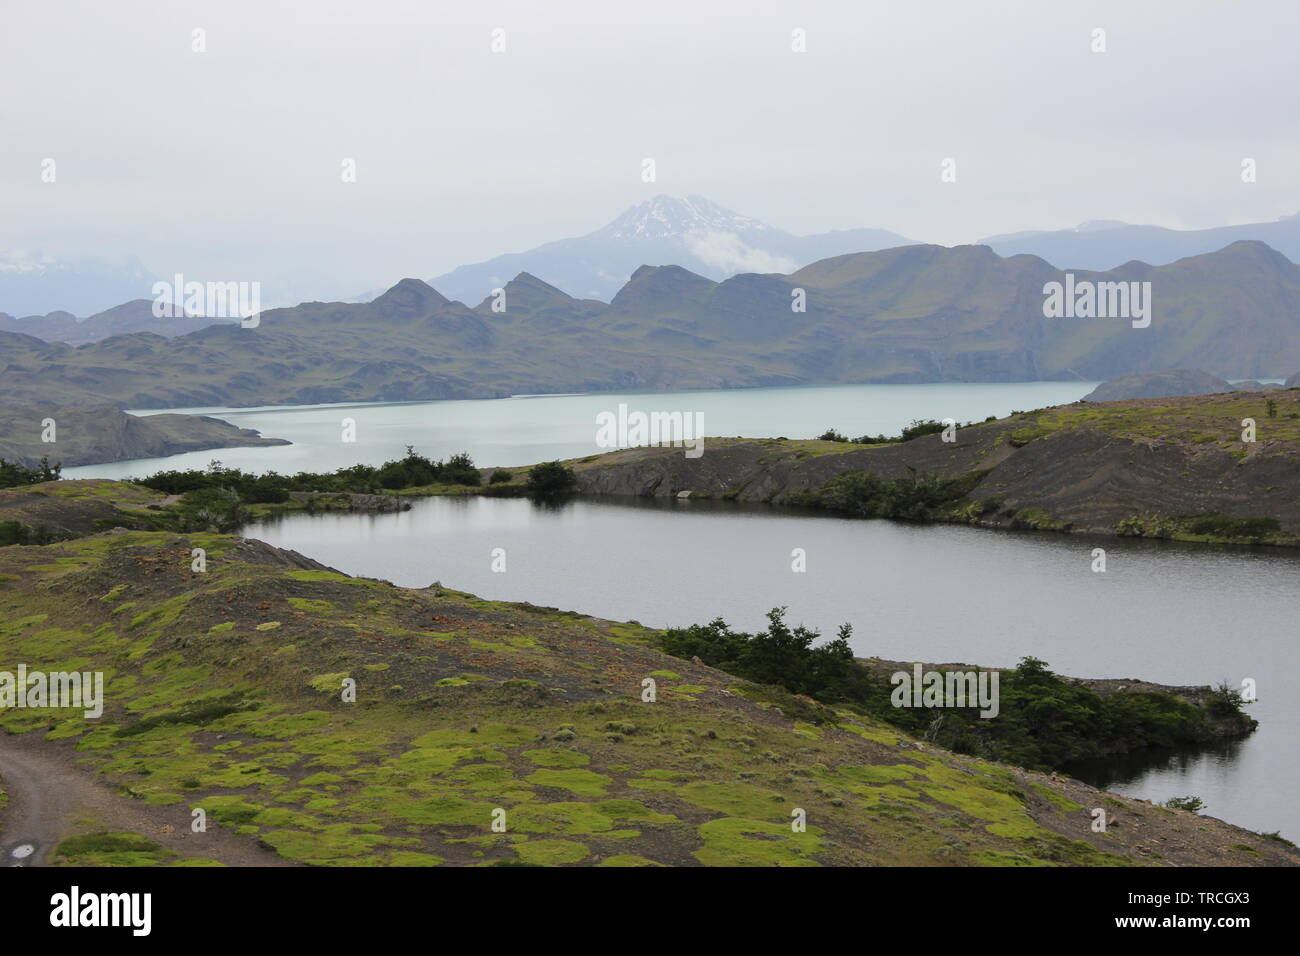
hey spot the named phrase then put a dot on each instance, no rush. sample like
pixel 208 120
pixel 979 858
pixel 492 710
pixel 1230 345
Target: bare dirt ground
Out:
pixel 50 798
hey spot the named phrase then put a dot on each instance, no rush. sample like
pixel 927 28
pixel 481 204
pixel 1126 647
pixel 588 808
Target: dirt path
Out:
pixel 48 793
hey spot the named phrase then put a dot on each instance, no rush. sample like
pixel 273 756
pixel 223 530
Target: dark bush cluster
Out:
pixel 781 655
pixel 218 496
pixel 12 474
pixel 413 470
pixel 916 429
pixel 1044 722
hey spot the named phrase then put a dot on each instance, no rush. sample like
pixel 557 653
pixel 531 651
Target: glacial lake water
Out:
pixel 525 430
pixel 1177 614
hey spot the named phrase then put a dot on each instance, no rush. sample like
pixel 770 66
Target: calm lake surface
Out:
pixel 524 430
pixel 1175 614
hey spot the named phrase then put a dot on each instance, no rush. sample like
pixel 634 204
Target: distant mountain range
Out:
pixel 693 233
pixel 31 283
pixel 1107 244
pixel 916 313
pixel 134 316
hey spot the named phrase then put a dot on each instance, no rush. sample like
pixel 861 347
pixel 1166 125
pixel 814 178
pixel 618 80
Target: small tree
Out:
pixel 1224 701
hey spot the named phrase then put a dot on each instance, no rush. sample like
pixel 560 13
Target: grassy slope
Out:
pixel 224 694
pixel 81 506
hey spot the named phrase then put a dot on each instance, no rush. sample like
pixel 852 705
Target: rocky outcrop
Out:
pixel 349 501
pixel 1080 467
pixel 1170 383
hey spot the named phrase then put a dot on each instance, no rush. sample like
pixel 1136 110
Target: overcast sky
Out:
pixel 226 164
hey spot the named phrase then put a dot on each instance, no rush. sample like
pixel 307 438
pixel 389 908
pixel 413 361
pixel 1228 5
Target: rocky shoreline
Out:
pixel 74 435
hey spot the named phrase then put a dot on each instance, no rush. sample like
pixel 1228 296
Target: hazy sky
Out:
pixel 226 164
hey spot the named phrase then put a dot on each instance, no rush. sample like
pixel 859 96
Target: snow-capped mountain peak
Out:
pixel 666 217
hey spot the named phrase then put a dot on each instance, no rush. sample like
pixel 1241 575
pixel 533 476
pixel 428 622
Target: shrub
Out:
pixel 1224 701
pixel 213 507
pixel 921 427
pixel 551 478
pixel 460 470
pixel 501 477
pixel 13 532
pixel 780 656
pixel 863 494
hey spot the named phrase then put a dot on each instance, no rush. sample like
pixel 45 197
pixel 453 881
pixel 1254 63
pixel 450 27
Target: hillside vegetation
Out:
pixel 226 692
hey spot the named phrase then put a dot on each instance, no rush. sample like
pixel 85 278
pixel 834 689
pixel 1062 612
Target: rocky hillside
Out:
pixel 88 435
pixel 1161 467
pixel 343 721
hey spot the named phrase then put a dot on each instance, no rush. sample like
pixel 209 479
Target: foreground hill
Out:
pixel 1165 467
pixel 224 694
pixel 88 435
pixel 909 314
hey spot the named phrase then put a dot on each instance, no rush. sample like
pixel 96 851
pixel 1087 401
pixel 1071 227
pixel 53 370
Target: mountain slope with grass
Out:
pixel 904 315
pixel 230 690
